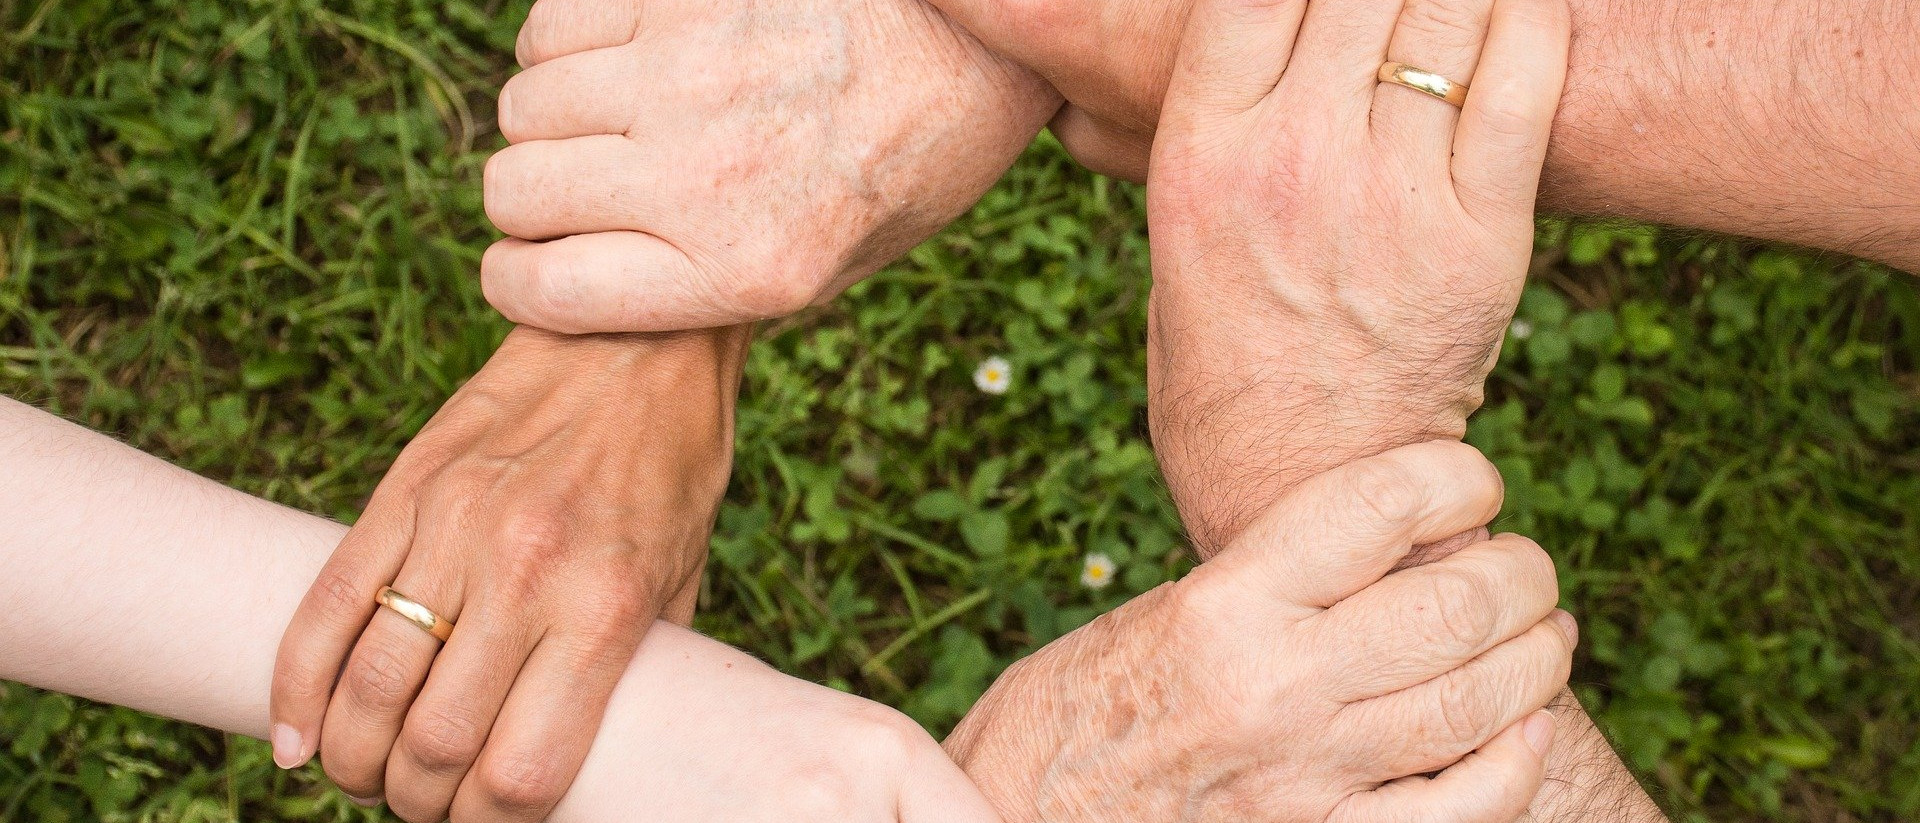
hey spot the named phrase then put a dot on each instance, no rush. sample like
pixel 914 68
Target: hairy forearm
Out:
pixel 1246 403
pixel 1787 121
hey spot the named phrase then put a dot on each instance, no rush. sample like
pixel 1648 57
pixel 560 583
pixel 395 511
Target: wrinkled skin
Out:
pixel 687 163
pixel 1293 679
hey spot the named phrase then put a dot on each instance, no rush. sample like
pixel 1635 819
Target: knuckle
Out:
pixel 772 293
pixel 1440 24
pixel 523 783
pixel 1466 716
pixel 540 33
pixel 442 742
pixel 1460 611
pixel 551 287
pixel 1386 491
pixel 377 676
pixel 336 594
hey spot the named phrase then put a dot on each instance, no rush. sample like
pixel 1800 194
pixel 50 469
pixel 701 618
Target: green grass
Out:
pixel 243 235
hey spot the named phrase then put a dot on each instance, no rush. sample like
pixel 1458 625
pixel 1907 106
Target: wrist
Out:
pixel 1243 405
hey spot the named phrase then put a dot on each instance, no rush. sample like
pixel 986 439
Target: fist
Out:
pixel 1293 678
pixel 680 164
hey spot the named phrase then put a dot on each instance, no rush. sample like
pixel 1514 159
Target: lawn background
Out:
pixel 243 235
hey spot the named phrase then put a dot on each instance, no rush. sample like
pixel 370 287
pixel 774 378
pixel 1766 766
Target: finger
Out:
pixel 544 730
pixel 389 663
pixel 559 27
pixel 554 188
pixel 330 618
pixel 1342 44
pixel 1461 710
pixel 1102 148
pixel 1426 621
pixel 448 723
pixel 621 281
pixel 1439 36
pixel 1340 531
pixel 575 95
pixel 1231 57
pixel 1494 784
pixel 1501 141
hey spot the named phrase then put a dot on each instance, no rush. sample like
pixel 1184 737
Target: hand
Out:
pixel 694 163
pixel 1336 259
pixel 555 506
pixel 1293 679
pixel 699 732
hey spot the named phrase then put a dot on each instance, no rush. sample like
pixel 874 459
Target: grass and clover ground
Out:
pixel 243 235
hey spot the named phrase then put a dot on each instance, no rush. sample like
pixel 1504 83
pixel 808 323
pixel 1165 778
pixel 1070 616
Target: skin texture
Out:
pixel 136 583
pixel 557 505
pixel 1332 285
pixel 1300 262
pixel 1699 115
pixel 707 163
pixel 1189 703
pixel 1786 121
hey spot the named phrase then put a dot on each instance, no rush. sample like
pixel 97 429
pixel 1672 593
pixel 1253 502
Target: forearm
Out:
pixel 1787 121
pixel 133 582
pixel 1245 404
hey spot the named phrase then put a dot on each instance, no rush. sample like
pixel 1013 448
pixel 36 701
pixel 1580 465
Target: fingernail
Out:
pixel 1568 625
pixel 289 752
pixel 1539 731
pixel 368 802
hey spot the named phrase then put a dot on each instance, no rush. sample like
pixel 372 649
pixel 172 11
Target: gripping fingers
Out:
pixel 544 730
pixel 1232 56
pixel 388 665
pixel 619 281
pixel 1440 36
pixel 1501 142
pixel 1459 711
pixel 1340 531
pixel 545 189
pixel 560 27
pixel 447 726
pixel 576 95
pixel 1494 784
pixel 1420 623
pixel 330 618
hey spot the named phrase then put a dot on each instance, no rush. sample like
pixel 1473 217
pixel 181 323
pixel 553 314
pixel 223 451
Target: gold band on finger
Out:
pixel 1423 81
pixel 415 613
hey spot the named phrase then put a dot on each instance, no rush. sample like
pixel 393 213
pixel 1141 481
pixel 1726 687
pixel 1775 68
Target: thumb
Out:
pixel 1232 56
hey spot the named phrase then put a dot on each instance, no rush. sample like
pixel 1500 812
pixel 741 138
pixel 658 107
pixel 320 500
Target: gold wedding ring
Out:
pixel 1423 81
pixel 415 613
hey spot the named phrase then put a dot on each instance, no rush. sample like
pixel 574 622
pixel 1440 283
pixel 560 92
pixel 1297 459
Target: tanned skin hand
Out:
pixel 557 505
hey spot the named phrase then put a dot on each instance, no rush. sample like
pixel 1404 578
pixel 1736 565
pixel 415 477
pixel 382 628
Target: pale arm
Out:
pixel 133 582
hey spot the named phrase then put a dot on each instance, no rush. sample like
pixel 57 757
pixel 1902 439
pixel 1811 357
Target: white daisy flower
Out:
pixel 1520 329
pixel 1098 571
pixel 994 375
